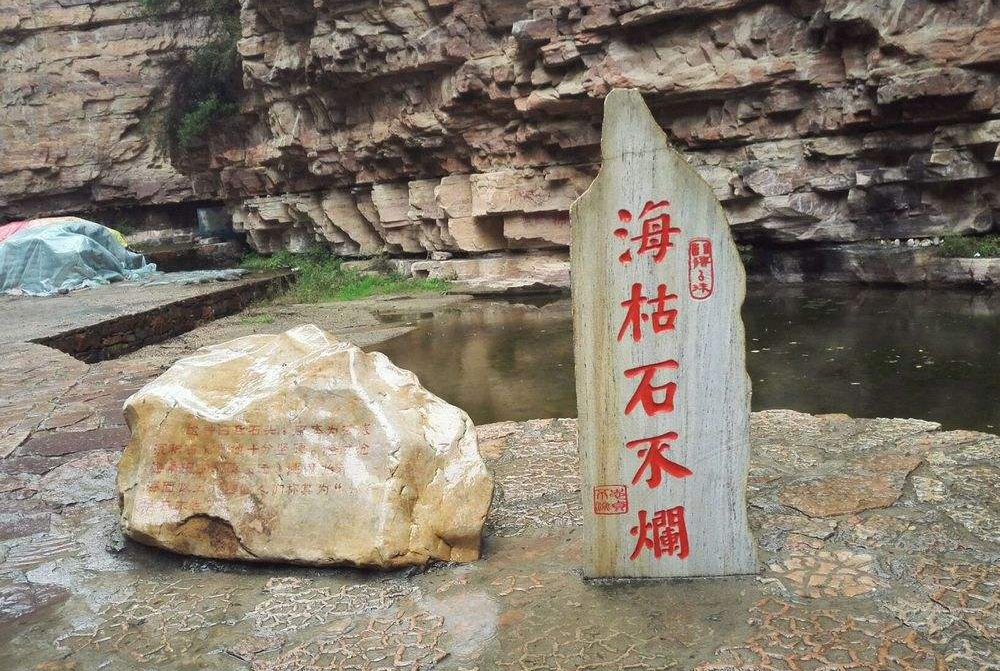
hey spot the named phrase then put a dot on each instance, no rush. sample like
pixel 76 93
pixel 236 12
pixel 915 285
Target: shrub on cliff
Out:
pixel 970 246
pixel 193 125
pixel 207 85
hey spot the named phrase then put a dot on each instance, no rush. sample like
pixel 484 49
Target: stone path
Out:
pixel 879 543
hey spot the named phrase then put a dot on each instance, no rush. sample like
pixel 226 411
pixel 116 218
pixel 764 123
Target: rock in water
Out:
pixel 298 448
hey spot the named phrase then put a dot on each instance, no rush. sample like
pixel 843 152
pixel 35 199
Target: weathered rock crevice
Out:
pixel 218 532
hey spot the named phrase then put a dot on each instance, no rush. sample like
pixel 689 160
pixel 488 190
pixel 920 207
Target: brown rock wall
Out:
pixel 826 121
pixel 417 126
pixel 80 86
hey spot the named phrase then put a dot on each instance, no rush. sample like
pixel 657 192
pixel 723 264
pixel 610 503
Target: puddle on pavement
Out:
pixel 865 352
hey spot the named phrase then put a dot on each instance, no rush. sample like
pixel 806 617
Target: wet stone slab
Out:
pixel 878 542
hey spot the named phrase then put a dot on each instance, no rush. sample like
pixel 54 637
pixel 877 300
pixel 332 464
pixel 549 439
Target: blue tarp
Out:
pixel 65 256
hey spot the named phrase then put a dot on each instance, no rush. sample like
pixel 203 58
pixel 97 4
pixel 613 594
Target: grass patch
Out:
pixel 970 246
pixel 259 318
pixel 322 279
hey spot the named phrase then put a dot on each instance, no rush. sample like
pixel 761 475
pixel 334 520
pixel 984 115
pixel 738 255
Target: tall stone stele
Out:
pixel 662 389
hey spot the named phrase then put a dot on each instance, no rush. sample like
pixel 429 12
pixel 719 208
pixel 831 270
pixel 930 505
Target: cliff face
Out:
pixel 417 126
pixel 80 85
pixel 471 125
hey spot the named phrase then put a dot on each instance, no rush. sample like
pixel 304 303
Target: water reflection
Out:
pixel 866 352
pixel 497 360
pixel 871 352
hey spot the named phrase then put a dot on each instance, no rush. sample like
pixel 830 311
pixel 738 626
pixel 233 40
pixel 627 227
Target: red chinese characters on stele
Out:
pixel 701 270
pixel 654 462
pixel 654 233
pixel 660 318
pixel 652 397
pixel 653 312
pixel 665 534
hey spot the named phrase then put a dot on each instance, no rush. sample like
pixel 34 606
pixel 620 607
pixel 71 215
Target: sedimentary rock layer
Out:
pixel 468 125
pixel 416 126
pixel 81 87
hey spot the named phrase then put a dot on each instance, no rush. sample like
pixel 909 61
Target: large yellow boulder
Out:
pixel 299 448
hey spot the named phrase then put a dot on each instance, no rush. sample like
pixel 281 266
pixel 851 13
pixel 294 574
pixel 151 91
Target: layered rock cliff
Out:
pixel 81 82
pixel 468 126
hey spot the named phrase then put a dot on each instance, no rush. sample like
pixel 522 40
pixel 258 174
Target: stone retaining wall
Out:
pixel 121 335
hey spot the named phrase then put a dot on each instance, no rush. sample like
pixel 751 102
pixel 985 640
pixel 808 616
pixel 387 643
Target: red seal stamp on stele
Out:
pixel 610 500
pixel 701 271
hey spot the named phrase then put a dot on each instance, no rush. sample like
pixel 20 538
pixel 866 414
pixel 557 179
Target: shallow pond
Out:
pixel 866 352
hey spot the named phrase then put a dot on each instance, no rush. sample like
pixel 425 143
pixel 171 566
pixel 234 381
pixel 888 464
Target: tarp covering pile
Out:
pixel 49 256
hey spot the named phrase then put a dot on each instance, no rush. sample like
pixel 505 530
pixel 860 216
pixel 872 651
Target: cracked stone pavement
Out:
pixel 878 546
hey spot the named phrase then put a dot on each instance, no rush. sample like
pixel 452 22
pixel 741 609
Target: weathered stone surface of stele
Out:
pixel 662 389
pixel 298 448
